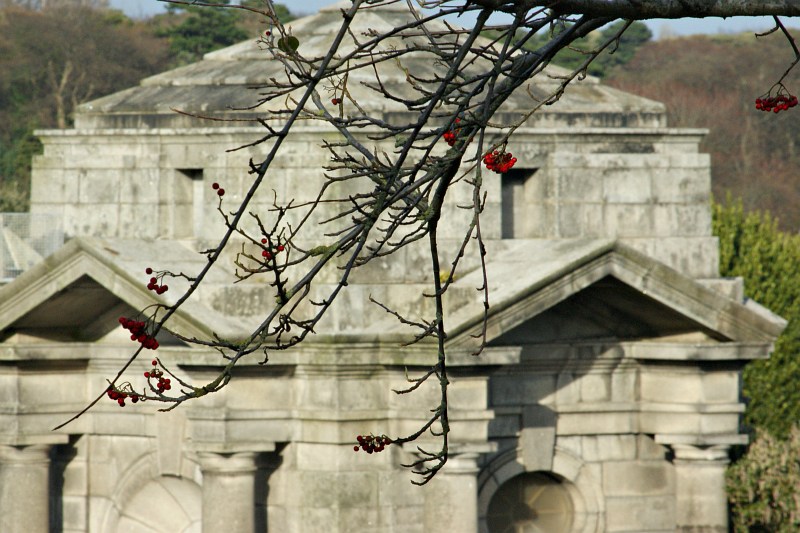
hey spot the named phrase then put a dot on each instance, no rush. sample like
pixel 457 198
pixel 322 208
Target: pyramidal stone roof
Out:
pixel 226 83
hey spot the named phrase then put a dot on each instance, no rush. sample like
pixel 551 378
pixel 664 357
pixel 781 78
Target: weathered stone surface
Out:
pixel 638 478
pixel 640 513
pixel 24 491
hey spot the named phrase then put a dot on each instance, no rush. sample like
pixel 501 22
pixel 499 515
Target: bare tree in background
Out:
pixel 450 133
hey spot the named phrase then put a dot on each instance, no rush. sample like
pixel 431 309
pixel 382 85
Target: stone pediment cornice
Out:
pixel 91 277
pixel 526 279
pixel 532 276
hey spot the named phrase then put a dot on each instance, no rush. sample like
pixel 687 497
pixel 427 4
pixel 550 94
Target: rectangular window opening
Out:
pixel 513 202
pixel 194 188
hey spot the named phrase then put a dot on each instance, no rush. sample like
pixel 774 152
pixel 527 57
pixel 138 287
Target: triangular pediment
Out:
pixel 546 291
pixel 83 311
pixel 79 292
pixel 606 310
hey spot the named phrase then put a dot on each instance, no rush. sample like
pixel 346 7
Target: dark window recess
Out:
pixel 513 202
pixel 191 192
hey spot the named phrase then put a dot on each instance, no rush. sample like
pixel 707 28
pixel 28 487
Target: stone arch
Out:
pixel 166 505
pixel 145 501
pixel 572 474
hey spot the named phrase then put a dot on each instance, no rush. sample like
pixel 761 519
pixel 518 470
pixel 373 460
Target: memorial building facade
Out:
pixel 607 399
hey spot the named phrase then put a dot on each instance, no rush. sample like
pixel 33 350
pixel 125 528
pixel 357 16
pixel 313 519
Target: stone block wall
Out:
pixel 649 188
pixel 658 203
pixel 601 421
pixel 575 410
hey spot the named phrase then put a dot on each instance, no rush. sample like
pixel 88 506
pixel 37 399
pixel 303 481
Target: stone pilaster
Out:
pixel 25 489
pixel 228 492
pixel 452 500
pixel 701 505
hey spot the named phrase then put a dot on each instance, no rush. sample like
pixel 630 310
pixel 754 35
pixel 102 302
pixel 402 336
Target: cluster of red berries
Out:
pixel 336 101
pixel 372 444
pixel 450 135
pixel 500 162
pixel 220 190
pixel 777 103
pixel 138 332
pixel 268 254
pixel 153 284
pixel 120 396
pixel 163 383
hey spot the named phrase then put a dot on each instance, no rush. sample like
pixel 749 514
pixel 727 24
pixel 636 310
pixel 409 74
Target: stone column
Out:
pixel 451 499
pixel 228 492
pixel 701 504
pixel 25 488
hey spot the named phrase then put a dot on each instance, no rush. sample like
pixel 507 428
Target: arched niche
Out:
pixel 567 499
pixel 144 501
pixel 164 505
pixel 532 502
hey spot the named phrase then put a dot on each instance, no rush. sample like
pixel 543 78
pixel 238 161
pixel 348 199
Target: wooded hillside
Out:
pixel 73 51
pixel 51 61
pixel 712 82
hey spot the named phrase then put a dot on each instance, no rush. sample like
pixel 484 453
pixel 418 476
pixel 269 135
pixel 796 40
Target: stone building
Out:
pixel 607 400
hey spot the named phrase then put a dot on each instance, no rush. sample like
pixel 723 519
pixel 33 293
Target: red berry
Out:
pixel 264 240
pixel 215 185
pixel 221 192
pixel 281 248
pixel 147 375
pixel 336 101
pixel 355 448
pixel 148 271
pixel 154 362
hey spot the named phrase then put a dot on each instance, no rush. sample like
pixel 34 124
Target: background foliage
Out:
pixel 712 82
pixel 763 485
pixel 753 247
pixel 56 58
pixel 630 41
pixel 201 30
pixel 51 61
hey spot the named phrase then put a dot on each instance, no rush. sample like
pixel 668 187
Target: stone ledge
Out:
pixel 702 440
pixel 733 351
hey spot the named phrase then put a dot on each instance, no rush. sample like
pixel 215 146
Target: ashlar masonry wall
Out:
pixel 649 188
